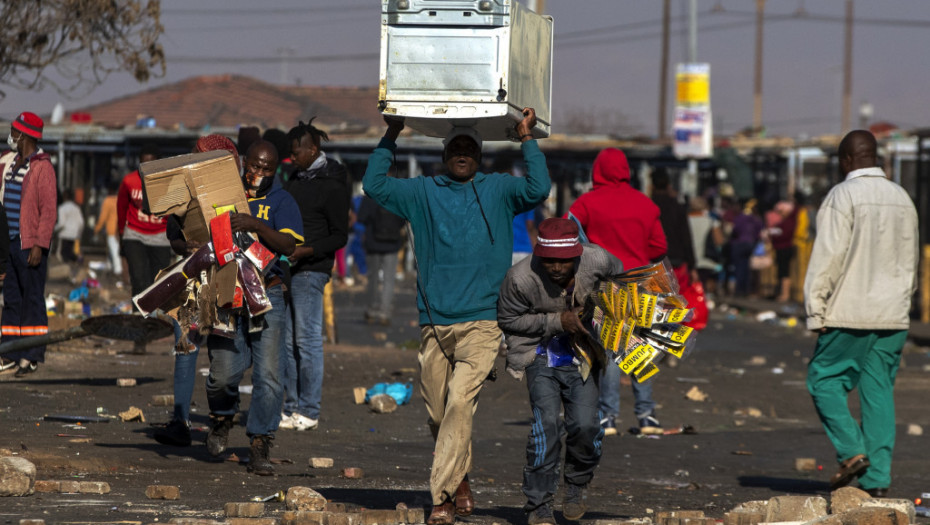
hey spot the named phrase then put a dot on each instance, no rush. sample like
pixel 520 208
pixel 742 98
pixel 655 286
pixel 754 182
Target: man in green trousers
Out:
pixel 862 274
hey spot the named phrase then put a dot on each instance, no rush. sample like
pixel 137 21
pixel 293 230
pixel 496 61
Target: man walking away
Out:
pixel 862 274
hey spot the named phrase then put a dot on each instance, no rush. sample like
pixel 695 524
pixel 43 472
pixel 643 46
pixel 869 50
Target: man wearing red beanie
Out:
pixel 30 197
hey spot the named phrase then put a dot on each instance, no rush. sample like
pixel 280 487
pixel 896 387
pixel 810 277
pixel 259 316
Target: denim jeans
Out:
pixel 303 377
pixel 550 389
pixel 381 298
pixel 610 393
pixel 144 262
pixel 185 373
pixel 229 359
pixel 24 312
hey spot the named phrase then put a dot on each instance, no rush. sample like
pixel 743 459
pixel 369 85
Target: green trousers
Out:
pixel 868 359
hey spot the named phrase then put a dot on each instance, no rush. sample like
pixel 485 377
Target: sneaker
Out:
pixel 649 424
pixel 302 422
pixel 541 515
pixel 574 503
pixel 609 424
pixel 176 433
pixel 259 463
pixel 6 364
pixel 219 434
pixel 287 422
pixel 27 369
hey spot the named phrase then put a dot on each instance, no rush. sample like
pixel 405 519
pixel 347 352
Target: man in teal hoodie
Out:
pixel 462 226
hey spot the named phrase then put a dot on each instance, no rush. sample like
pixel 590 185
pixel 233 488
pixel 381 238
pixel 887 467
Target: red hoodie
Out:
pixel 617 217
pixel 129 208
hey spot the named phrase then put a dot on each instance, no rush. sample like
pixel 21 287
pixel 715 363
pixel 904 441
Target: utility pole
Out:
pixel 847 67
pixel 663 73
pixel 757 84
pixel 692 32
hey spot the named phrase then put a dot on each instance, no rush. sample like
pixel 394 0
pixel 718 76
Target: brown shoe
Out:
pixel 464 501
pixel 442 514
pixel 849 470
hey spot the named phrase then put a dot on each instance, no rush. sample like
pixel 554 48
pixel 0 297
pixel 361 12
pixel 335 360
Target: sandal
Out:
pixel 849 470
pixel 442 514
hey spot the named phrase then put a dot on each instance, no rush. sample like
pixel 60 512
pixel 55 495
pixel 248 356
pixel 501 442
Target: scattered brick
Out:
pixel 70 487
pixel 31 522
pixel 348 518
pixel 308 517
pixel 805 464
pixel 847 498
pixel 359 394
pixel 44 485
pixel 418 515
pixel 353 473
pixel 248 509
pixel 904 505
pixel 126 381
pixel 304 498
pixel 383 517
pixel 95 487
pixel 162 492
pixel 252 521
pixel 164 400
pixel 795 508
pixel 321 462
pixel 332 506
pixel 874 516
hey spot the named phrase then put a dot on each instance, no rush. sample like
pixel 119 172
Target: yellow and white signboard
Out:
pixel 693 124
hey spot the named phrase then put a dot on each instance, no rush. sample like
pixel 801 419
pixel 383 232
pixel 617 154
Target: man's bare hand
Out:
pixel 525 126
pixel 395 126
pixel 35 256
pixel 242 222
pixel 571 323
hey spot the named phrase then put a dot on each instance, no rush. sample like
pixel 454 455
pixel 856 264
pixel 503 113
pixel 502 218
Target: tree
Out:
pixel 73 45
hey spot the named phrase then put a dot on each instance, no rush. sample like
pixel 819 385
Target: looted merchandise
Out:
pixel 637 316
pixel 465 63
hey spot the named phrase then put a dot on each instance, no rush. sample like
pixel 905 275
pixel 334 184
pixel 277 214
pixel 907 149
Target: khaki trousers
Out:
pixel 451 394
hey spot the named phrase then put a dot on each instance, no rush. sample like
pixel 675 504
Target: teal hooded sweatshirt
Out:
pixel 463 232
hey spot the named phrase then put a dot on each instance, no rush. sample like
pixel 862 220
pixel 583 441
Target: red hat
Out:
pixel 558 239
pixel 29 124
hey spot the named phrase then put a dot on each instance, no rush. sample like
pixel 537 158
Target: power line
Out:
pixel 272 60
pixel 293 11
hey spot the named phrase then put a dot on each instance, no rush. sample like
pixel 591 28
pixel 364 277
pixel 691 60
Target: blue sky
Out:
pixel 606 56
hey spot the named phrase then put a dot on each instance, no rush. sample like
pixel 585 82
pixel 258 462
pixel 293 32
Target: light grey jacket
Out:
pixel 863 270
pixel 530 305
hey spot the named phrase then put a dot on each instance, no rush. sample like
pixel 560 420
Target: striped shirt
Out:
pixel 13 194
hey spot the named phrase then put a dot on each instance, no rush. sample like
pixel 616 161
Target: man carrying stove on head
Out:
pixel 538 312
pixel 463 239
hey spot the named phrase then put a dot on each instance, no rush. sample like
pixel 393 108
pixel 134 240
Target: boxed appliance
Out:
pixel 474 63
pixel 196 186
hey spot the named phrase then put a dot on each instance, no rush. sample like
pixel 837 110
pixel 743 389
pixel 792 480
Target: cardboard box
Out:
pixel 465 63
pixel 196 187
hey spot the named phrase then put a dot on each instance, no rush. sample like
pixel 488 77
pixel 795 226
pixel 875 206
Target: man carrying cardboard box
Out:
pixel 276 220
pixel 462 224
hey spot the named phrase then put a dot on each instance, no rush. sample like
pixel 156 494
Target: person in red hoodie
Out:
pixel 625 222
pixel 145 246
pixel 30 197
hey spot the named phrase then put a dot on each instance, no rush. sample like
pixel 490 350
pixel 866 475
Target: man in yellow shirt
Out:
pixel 107 219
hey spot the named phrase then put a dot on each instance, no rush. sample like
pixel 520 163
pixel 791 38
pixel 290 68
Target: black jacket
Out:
pixel 323 198
pixel 674 219
pixel 382 228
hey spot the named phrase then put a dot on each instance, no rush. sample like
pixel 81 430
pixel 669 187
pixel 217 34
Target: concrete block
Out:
pixel 162 492
pixel 353 473
pixel 164 400
pixel 847 498
pixel 359 394
pixel 196 521
pixel 246 509
pixel 904 505
pixel 345 518
pixel 304 498
pixel 306 517
pixel 321 463
pixel 252 521
pixel 416 515
pixel 94 487
pixel 383 517
pixel 17 476
pixel 752 506
pixel 805 464
pixel 31 522
pixel 332 506
pixel 829 519
pixel 743 518
pixel 631 521
pixel 795 508
pixel 126 382
pixel 873 516
pixel 70 487
pixel 45 485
